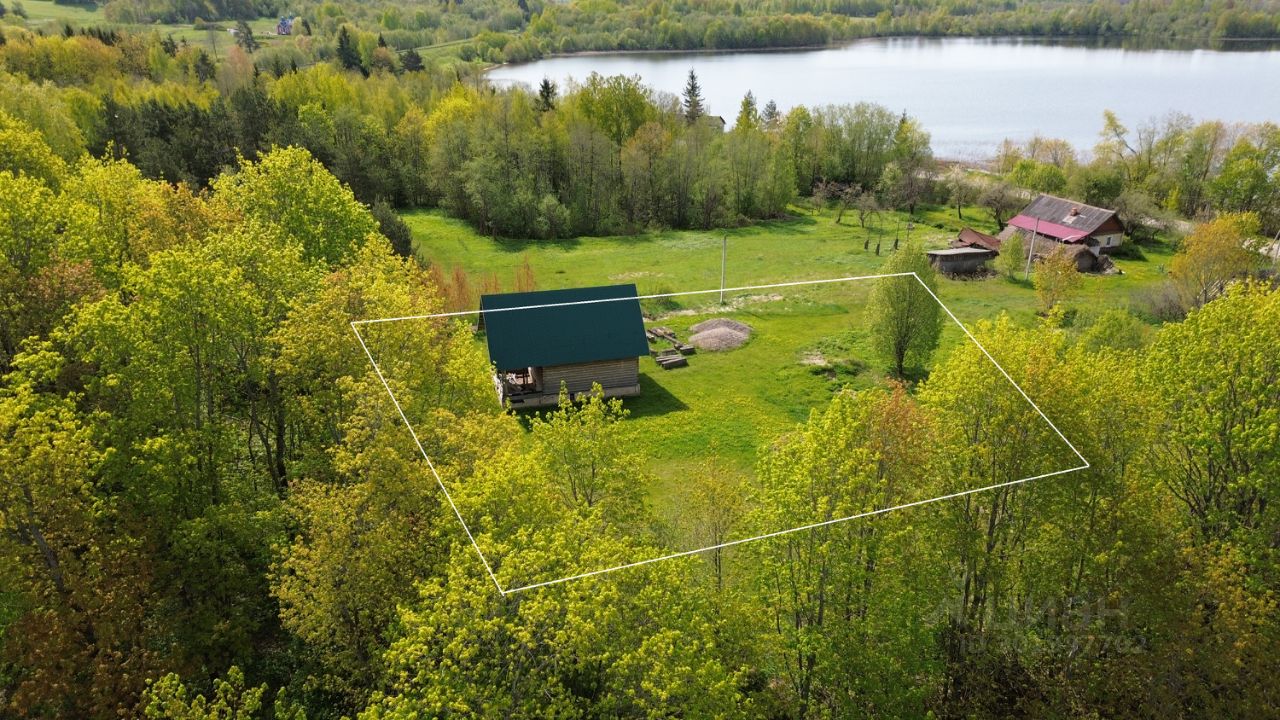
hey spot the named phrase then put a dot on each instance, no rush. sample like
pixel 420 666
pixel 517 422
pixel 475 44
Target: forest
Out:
pixel 210 509
pixel 538 27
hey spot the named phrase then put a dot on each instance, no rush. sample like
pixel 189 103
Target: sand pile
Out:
pixel 719 334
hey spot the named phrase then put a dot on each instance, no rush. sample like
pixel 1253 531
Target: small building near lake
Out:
pixel 960 260
pixel 539 341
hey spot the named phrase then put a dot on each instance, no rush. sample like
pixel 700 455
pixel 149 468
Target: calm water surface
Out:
pixel 970 93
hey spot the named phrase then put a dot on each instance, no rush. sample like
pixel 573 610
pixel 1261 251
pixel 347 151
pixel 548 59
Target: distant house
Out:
pixel 960 260
pixel 1067 222
pixel 285 26
pixel 587 336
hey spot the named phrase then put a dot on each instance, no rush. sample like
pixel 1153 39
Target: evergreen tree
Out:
pixel 348 54
pixel 204 67
pixel 693 107
pixel 771 117
pixel 245 38
pixel 382 42
pixel 546 95
pixel 411 61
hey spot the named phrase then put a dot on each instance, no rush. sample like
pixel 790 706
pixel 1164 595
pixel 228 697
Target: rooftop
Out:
pixel 962 251
pixel 1061 218
pixel 601 323
pixel 970 237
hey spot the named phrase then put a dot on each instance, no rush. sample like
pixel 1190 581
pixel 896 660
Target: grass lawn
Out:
pixel 724 406
pixel 40 12
pixel 803 247
pixel 48 14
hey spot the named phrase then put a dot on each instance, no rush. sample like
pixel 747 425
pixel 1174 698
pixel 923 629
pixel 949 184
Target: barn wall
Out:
pixel 579 377
pixel 960 264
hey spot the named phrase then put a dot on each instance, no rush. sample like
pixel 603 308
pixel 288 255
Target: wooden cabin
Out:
pixel 539 341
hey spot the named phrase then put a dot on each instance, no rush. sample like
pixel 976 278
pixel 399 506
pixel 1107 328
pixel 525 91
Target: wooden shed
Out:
pixel 960 260
pixel 577 337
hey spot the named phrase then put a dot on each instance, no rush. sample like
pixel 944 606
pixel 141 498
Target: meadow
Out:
pixel 809 341
pixel 52 16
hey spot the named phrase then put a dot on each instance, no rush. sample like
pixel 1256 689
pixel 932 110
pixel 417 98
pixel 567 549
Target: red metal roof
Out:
pixel 1048 229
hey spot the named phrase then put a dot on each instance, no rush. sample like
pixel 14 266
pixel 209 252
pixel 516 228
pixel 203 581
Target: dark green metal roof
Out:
pixel 604 325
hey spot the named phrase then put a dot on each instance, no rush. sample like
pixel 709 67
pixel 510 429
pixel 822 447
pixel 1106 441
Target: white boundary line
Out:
pixel 355 328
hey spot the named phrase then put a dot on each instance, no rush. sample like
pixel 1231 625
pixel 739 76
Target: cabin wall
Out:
pixel 579 377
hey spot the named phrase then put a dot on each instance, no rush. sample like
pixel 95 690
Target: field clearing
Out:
pixel 723 407
pixel 804 247
pixel 51 16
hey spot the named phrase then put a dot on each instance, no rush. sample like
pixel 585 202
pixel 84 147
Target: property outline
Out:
pixel 355 328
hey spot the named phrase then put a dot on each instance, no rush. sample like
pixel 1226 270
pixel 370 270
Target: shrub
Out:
pixel 393 228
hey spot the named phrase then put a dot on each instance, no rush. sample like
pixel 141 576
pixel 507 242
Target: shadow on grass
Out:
pixel 520 245
pixel 654 400
pixel 1017 281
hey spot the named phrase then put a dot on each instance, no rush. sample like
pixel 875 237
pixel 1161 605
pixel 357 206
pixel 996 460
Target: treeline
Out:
pixel 174 11
pixel 209 507
pixel 514 31
pixel 609 156
pixel 732 24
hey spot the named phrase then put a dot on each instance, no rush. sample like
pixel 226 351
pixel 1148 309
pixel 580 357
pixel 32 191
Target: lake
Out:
pixel 969 93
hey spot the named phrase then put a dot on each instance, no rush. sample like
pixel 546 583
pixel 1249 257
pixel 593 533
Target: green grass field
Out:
pixel 800 248
pixel 50 15
pixel 726 405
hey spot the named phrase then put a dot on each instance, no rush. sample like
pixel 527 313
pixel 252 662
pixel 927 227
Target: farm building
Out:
pixel 1083 257
pixel 576 337
pixel 1068 222
pixel 969 237
pixel 960 260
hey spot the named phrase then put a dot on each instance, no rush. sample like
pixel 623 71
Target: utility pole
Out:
pixel 1032 252
pixel 724 252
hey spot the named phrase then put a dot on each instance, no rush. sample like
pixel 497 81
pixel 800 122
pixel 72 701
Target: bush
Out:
pixel 393 228
pixel 1128 251
pixel 553 218
pixel 1012 258
pixel 1160 303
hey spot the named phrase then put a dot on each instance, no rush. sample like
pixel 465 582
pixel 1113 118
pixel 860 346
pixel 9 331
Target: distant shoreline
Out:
pixel 1175 43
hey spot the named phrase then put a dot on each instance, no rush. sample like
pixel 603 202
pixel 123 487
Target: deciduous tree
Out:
pixel 1213 255
pixel 1056 278
pixel 904 319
